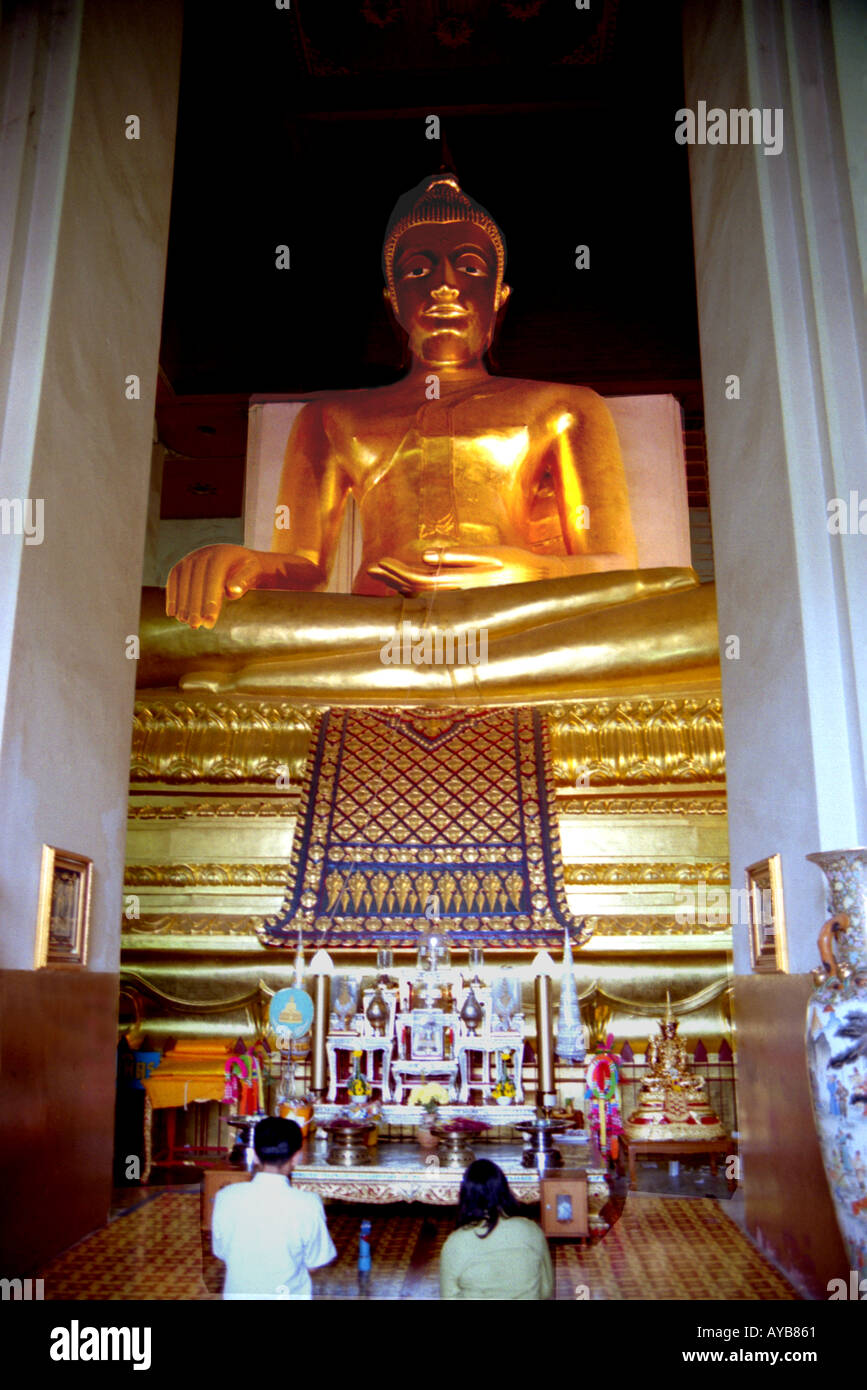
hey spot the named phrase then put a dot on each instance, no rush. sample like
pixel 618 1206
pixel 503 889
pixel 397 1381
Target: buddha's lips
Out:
pixel 446 311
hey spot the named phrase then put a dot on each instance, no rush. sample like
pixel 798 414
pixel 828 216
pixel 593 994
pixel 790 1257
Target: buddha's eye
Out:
pixel 416 272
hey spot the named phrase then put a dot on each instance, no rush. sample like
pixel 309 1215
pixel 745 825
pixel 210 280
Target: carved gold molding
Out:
pixel 285 807
pixel 273 874
pixel 609 742
pixel 218 740
pixel 228 924
pixel 191 924
pixel 642 806
pixel 278 808
pixel 248 875
pixel 242 739
pixel 709 871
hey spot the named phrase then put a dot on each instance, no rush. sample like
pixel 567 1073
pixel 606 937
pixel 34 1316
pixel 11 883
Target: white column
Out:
pixel 780 307
pixel 82 262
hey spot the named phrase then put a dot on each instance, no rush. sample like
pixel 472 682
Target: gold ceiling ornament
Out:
pixel 637 741
pixel 641 871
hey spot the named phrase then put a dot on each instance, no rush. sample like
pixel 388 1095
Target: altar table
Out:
pixel 675 1148
pixel 400 1172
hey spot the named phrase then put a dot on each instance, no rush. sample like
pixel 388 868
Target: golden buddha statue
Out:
pixel 668 1062
pixel 469 487
pixel 672 1101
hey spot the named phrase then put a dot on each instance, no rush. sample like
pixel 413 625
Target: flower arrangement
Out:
pixel 505 1091
pixel 359 1087
pixel 430 1096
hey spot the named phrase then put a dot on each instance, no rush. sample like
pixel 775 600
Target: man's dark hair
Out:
pixel 275 1140
pixel 485 1196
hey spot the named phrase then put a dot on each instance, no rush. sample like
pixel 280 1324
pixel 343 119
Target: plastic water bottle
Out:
pixel 364 1249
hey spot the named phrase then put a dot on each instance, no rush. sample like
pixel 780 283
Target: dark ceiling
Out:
pixel 301 127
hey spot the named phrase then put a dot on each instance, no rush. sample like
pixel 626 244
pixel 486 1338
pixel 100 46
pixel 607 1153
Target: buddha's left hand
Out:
pixel 466 569
pixel 486 567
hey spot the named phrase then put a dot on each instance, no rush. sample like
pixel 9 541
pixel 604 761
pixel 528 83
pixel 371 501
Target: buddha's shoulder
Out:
pixel 343 407
pixel 583 396
pixel 550 401
pixel 544 401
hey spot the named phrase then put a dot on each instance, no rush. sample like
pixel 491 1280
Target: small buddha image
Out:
pixel 668 1061
pixel 672 1101
pixel 290 1014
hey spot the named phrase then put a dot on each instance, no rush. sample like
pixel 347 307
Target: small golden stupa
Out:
pixel 672 1102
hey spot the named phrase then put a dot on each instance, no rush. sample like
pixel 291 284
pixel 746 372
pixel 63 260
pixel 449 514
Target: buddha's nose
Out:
pixel 445 292
pixel 447 280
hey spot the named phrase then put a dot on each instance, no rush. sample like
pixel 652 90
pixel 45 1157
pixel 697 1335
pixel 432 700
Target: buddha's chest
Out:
pixel 465 452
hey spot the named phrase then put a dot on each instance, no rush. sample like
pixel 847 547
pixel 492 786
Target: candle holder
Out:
pixel 243 1153
pixel 540 1152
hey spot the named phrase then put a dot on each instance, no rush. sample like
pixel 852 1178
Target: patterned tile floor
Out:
pixel 657 1248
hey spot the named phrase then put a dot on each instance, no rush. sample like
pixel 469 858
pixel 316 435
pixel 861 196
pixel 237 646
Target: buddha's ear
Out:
pixel 505 291
pixel 397 329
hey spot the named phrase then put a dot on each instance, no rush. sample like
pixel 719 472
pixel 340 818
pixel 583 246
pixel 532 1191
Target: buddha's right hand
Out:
pixel 199 584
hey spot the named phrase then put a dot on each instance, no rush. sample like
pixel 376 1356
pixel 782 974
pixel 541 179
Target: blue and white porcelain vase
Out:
pixel 837 1045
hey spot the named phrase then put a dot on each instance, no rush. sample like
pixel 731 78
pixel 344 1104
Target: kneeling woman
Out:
pixel 494 1253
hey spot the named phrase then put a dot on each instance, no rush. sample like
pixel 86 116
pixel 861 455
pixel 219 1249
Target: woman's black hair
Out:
pixel 485 1196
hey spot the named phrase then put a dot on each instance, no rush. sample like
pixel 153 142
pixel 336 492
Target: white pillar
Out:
pixel 783 349
pixel 83 229
pixel 780 308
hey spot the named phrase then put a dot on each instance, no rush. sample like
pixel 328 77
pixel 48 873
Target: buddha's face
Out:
pixel 445 278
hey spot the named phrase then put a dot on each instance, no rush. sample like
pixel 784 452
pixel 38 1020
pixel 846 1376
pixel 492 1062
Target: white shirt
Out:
pixel 269 1236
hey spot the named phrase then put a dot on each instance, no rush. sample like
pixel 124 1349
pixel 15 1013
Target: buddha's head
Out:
pixel 444 259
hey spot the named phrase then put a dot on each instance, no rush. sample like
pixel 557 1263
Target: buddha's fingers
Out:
pixel 410 580
pixel 240 577
pixel 467 559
